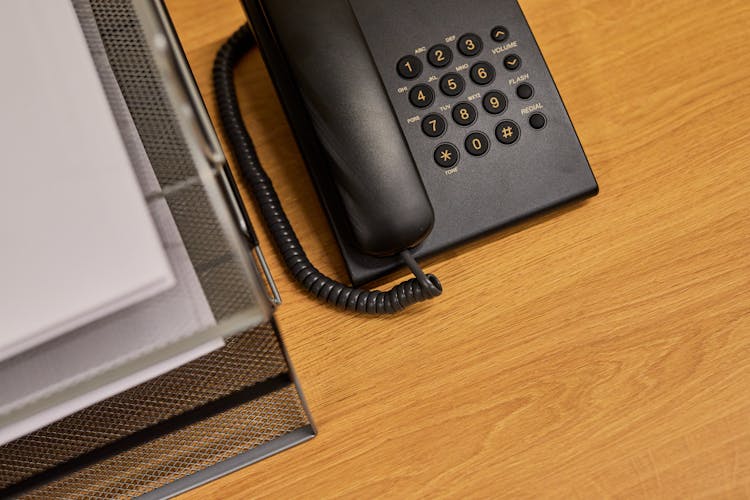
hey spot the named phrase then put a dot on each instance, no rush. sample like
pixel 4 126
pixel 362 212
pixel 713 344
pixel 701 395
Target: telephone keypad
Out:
pixel 446 155
pixel 452 84
pixel 482 73
pixel 434 125
pixel 464 114
pixel 409 67
pixel 421 96
pixel 470 45
pixel 440 56
pixel 477 144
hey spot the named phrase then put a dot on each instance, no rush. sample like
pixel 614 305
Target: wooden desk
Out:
pixel 614 359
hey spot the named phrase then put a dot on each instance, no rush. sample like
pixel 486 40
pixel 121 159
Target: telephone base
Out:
pixel 489 134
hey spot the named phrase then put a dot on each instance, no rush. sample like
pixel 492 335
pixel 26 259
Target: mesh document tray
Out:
pixel 224 410
pixel 203 420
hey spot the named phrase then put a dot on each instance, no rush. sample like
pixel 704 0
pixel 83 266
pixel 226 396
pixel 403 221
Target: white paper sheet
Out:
pixel 57 369
pixel 76 239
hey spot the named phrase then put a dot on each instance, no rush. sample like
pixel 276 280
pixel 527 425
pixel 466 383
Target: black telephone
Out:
pixel 424 123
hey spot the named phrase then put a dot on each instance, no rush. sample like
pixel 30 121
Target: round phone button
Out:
pixel 507 132
pixel 477 144
pixel 440 56
pixel 495 102
pixel 464 114
pixel 525 91
pixel 482 73
pixel 452 84
pixel 409 67
pixel 512 62
pixel 499 33
pixel 470 44
pixel 421 95
pixel 434 125
pixel 537 121
pixel 446 155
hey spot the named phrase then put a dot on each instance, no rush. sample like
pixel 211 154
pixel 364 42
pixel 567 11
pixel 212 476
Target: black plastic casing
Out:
pixel 542 170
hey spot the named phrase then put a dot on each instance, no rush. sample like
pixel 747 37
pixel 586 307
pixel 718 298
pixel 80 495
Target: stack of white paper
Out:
pixel 97 291
pixel 77 239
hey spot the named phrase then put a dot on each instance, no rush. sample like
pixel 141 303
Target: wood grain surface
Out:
pixel 600 351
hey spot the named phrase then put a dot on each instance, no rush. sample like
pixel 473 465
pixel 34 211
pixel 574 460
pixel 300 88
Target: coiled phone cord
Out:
pixel 418 289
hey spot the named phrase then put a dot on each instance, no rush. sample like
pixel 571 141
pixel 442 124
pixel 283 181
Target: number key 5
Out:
pixel 452 84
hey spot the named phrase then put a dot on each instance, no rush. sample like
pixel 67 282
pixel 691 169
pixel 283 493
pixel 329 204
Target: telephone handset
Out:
pixel 424 123
pixel 372 167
